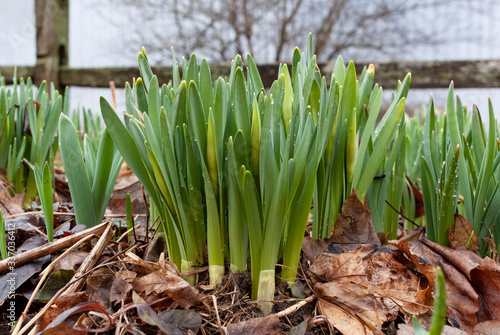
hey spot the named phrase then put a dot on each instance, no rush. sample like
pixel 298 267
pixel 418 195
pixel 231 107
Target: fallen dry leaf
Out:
pixel 345 320
pixel 361 290
pixel 126 275
pixel 154 282
pixel 155 248
pixel 361 284
pixel 312 247
pixel 127 182
pixel 483 274
pixel 354 226
pixel 24 227
pixel 167 284
pixel 99 286
pixel 265 325
pixel 462 233
pixel 461 298
pixel 60 327
pixel 119 290
pixel 413 234
pixel 71 261
pixel 9 204
pixel 62 304
pixel 487 328
pixel 494 253
pixel 383 237
pixel 405 329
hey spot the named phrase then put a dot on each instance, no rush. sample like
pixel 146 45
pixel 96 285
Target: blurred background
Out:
pixel 86 43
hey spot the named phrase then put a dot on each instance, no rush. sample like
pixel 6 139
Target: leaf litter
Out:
pixel 355 282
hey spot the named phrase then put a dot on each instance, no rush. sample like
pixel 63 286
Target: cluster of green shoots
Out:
pixel 237 167
pixel 28 124
pixel 454 160
pixel 28 145
pixel 29 132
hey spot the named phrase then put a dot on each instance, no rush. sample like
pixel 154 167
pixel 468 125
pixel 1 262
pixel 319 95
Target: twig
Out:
pixel 124 234
pixel 296 307
pixel 117 215
pixel 45 274
pixel 91 258
pixel 61 291
pixel 236 286
pixel 36 229
pixel 157 227
pixel 214 299
pixel 49 248
pixel 322 319
pixel 305 277
pixel 404 217
pixel 35 213
pixel 112 87
pixel 193 272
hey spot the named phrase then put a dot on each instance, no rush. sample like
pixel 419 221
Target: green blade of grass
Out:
pixel 254 75
pixel 439 314
pixel 237 227
pixel 107 168
pixel 145 68
pixel 486 171
pixel 369 126
pixel 241 113
pixel 448 199
pixel 197 118
pixel 154 104
pixel 47 201
pixel 76 174
pixel 127 147
pixel 297 221
pixel 456 139
pixel 380 146
pixel 255 229
pixel 3 237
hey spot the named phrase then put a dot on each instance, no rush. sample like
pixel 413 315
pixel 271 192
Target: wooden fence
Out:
pixel 52 63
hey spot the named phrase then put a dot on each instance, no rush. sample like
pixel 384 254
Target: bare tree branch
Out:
pixel 219 29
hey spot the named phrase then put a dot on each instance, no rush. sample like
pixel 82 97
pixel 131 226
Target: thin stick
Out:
pixel 49 248
pixel 214 299
pixel 404 217
pixel 91 258
pixel 124 234
pixel 36 229
pixel 112 87
pixel 36 213
pixel 118 215
pixel 323 319
pixel 61 291
pixel 296 307
pixel 122 215
pixel 45 274
pixel 193 272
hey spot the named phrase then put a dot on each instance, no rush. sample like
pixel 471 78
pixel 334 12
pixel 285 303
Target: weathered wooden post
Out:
pixel 51 40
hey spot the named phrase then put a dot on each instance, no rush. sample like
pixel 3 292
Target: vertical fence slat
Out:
pixel 51 40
